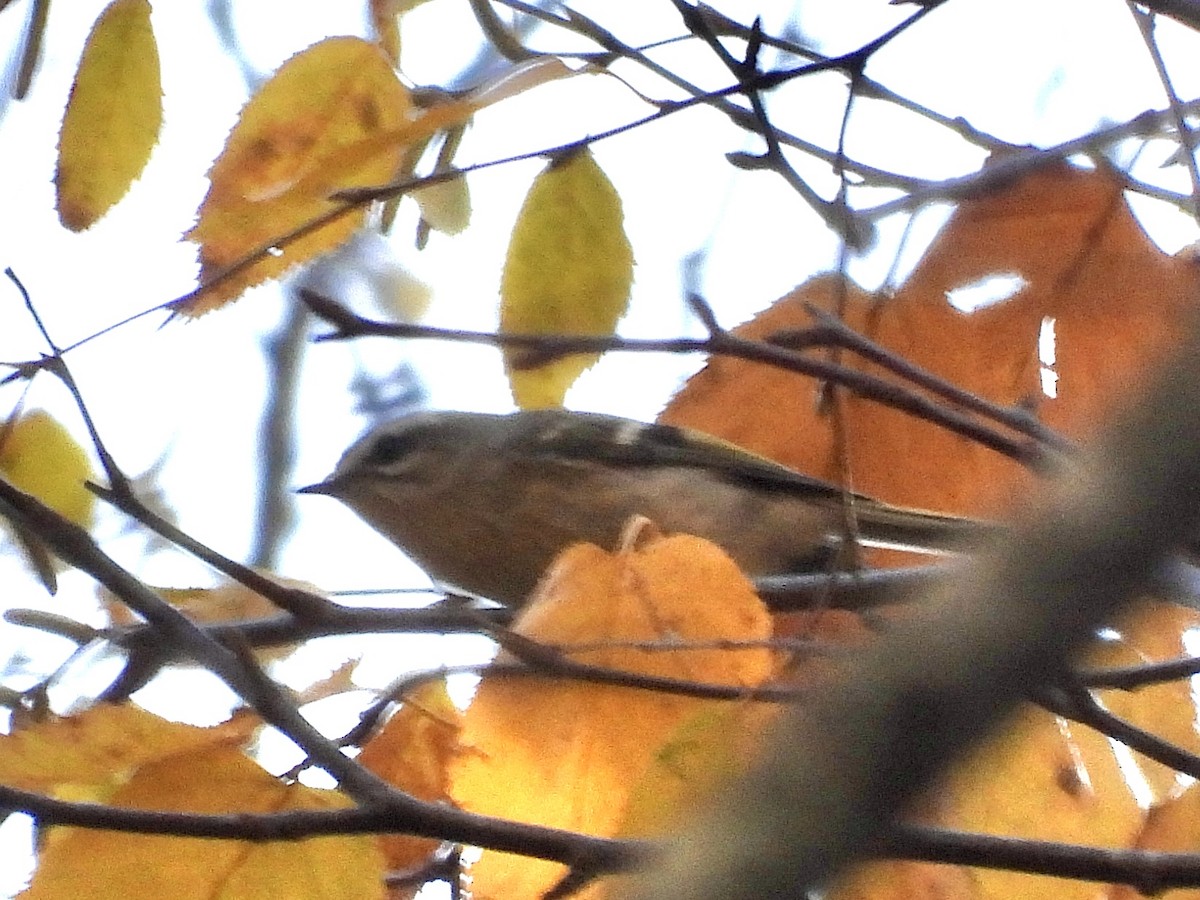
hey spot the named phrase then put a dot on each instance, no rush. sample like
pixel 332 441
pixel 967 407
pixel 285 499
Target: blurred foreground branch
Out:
pixel 840 770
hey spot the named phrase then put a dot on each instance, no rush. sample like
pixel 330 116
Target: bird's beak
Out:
pixel 328 488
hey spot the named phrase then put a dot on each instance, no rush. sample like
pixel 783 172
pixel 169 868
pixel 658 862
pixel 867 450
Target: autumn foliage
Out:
pixel 639 679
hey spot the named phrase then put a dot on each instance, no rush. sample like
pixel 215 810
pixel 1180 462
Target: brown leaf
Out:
pixel 1117 303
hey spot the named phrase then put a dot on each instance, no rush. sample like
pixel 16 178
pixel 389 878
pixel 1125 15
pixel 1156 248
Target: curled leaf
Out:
pixel 569 754
pixel 334 116
pixel 445 206
pixel 520 78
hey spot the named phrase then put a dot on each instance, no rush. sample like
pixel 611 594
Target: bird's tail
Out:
pixel 883 525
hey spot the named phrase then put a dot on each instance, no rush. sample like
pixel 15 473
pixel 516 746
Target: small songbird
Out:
pixel 484 502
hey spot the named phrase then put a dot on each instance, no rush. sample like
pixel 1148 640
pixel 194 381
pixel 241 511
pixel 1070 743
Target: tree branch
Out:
pixel 842 768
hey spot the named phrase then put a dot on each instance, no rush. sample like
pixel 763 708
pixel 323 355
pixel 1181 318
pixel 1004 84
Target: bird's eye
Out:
pixel 390 449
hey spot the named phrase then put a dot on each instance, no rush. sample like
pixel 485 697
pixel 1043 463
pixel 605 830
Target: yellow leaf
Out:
pixel 87 755
pixel 333 117
pixel 412 751
pixel 568 271
pixel 214 780
pixel 708 750
pixel 567 754
pixel 113 116
pixel 40 457
pixel 1041 779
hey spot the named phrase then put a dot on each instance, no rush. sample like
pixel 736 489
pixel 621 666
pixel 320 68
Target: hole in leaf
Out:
pixel 985 292
pixel 1047 355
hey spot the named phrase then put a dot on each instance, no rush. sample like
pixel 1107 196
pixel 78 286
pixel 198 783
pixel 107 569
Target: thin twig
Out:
pixel 1187 140
pixel 1147 871
pixel 1079 705
pixel 351 326
pixel 834 329
pixel 74 545
pixel 303 604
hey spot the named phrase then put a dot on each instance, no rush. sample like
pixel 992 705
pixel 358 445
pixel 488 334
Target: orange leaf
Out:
pixel 567 754
pixel 1116 300
pixel 333 117
pixel 213 780
pixel 1154 632
pixel 113 116
pixel 412 751
pixel 902 880
pixel 1171 827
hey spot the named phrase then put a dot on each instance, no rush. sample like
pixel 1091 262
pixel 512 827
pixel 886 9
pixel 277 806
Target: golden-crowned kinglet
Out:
pixel 484 502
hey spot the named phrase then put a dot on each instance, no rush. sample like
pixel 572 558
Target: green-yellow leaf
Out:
pixel 568 271
pixel 113 116
pixel 705 752
pixel 40 457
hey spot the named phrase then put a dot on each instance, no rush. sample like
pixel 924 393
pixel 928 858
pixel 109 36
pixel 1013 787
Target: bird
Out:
pixel 484 502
